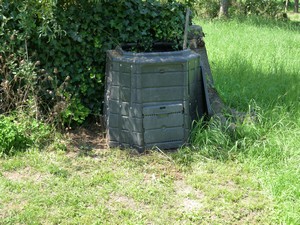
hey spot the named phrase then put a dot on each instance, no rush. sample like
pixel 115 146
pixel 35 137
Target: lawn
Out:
pixel 247 176
pixel 119 187
pixel 256 65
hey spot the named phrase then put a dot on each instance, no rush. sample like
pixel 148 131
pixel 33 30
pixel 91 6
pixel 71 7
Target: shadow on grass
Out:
pixel 239 82
pixel 257 21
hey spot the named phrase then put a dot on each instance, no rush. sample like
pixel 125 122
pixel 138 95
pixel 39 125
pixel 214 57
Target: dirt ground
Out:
pixel 90 136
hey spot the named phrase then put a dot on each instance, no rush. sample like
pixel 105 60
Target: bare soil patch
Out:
pixel 89 137
pixel 189 199
pixel 23 175
pixel 126 202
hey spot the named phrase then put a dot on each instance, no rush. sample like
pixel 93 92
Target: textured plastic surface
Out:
pixel 152 98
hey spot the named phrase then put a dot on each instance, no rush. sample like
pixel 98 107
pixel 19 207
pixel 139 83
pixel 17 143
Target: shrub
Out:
pixel 210 8
pixel 19 132
pixel 266 8
pixel 69 39
pixel 206 8
pixel 11 139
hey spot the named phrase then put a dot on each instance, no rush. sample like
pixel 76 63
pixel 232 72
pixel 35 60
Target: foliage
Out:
pixel 11 139
pixel 75 111
pixel 266 8
pixel 210 8
pixel 18 133
pixel 206 8
pixel 69 39
pixel 39 134
pixel 25 89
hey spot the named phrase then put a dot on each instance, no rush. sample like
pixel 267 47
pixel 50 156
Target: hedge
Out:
pixel 67 41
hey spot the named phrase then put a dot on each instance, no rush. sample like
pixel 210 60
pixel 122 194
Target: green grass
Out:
pixel 249 176
pixel 256 66
pixel 119 187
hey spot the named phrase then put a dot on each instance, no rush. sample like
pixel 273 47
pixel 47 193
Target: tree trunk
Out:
pixel 287 2
pixel 296 8
pixel 224 8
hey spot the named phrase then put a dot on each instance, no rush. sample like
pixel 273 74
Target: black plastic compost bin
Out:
pixel 152 98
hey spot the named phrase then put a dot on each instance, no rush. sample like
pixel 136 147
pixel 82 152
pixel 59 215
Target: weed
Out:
pixel 11 138
pixel 20 132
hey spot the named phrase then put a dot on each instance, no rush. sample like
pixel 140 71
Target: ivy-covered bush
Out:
pixel 66 42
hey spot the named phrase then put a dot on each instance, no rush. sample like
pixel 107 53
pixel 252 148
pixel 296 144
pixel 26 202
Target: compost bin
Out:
pixel 152 98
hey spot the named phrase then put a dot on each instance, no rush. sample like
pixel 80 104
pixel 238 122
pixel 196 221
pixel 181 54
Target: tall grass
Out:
pixel 256 65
